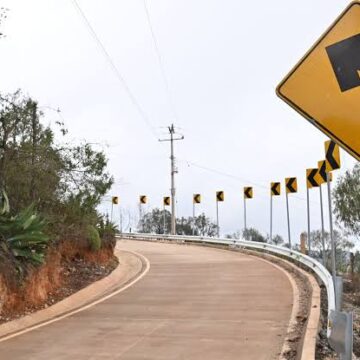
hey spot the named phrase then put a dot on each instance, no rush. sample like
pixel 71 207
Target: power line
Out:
pixel 237 178
pixel 114 68
pixel 132 96
pixel 161 63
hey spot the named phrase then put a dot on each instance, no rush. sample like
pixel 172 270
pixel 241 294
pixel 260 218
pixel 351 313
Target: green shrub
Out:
pixel 22 236
pixel 93 238
pixel 107 231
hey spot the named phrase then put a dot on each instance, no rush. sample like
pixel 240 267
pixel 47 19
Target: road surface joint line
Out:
pixel 129 283
pixel 151 332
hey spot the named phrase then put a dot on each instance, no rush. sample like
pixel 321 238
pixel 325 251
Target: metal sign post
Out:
pixel 217 219
pixel 196 200
pixel 288 219
pixel 322 226
pixel 333 256
pixel 271 217
pixel 308 218
pixel 164 227
pixel 248 194
pixel 332 155
pixel 322 180
pixel 193 229
pixel 290 187
pixel 275 190
pixel 245 213
pixel 219 197
pixel 312 181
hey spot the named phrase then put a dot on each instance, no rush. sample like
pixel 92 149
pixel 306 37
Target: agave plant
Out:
pixel 22 236
pixel 4 203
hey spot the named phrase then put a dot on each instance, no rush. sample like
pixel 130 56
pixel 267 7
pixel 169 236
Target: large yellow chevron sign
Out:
pixel 324 86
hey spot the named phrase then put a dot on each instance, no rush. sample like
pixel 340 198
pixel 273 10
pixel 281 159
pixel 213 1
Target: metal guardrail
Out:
pixel 339 326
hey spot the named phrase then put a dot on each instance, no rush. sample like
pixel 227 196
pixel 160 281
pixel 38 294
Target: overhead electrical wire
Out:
pixel 171 103
pixel 114 68
pixel 161 63
pixel 237 178
pixel 132 97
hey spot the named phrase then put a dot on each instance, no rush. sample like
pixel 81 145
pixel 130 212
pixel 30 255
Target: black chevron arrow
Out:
pixel 345 60
pixel 330 156
pixel 275 188
pixel 248 192
pixel 322 171
pixel 311 177
pixel 289 185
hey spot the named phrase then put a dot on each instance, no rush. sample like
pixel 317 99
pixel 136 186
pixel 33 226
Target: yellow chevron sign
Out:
pixel 322 172
pixel 197 198
pixel 115 200
pixel 220 196
pixel 332 156
pixel 291 185
pixel 275 189
pixel 167 201
pixel 248 192
pixel 312 178
pixel 143 199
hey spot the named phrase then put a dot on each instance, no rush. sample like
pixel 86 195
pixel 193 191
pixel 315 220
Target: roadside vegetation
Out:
pixel 159 222
pixel 49 194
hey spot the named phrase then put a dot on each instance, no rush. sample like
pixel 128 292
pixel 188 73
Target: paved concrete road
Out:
pixel 195 303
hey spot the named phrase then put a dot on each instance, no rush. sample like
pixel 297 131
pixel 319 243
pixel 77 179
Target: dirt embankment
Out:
pixel 69 267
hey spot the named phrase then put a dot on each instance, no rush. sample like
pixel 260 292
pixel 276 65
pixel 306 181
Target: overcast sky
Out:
pixel 222 59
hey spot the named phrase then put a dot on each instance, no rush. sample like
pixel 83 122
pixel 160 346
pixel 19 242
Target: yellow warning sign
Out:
pixel 332 155
pixel 220 196
pixel 197 198
pixel 291 185
pixel 324 86
pixel 275 189
pixel 248 192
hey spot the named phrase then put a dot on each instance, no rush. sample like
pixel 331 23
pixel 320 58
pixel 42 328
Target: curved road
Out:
pixel 194 303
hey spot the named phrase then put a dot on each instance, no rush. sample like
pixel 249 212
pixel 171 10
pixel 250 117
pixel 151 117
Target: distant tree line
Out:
pixel 159 222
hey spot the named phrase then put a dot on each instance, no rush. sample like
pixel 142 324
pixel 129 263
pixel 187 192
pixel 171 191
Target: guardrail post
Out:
pixel 338 292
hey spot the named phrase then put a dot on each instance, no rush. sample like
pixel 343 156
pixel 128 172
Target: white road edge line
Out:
pixel 88 306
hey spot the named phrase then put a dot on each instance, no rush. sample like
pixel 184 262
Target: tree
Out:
pixel 342 247
pixel 153 222
pixel 277 240
pixel 347 201
pixel 204 226
pixel 235 235
pixel 252 234
pixel 64 182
